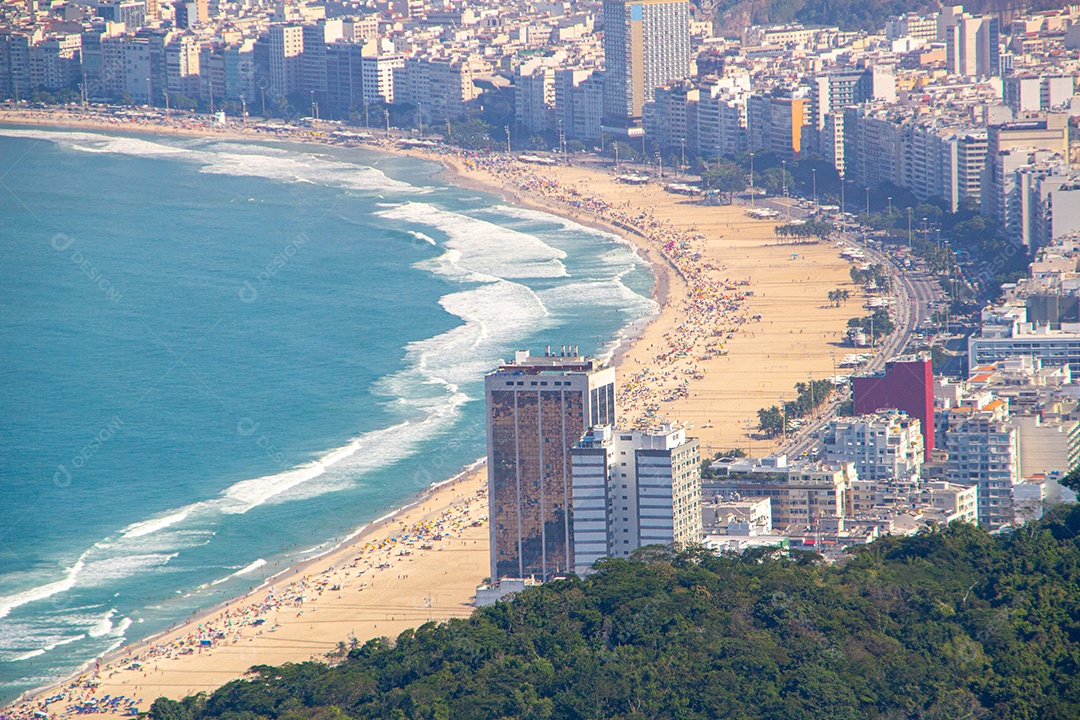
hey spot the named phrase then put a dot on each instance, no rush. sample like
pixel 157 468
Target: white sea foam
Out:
pixel 250 568
pixel 613 293
pixel 32 640
pixel 232 159
pixel 103 626
pixel 523 213
pixel 483 248
pixel 118 567
pixel 312 169
pixel 65 641
pixel 41 592
pixel 121 629
pixel 495 315
pixel 422 236
pixel 147 527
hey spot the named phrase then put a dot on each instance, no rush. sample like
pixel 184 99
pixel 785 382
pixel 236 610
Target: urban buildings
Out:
pixel 984 451
pixel 633 489
pixel 907 384
pixel 883 445
pixel 538 407
pixel 806 494
pixel 646 45
pixel 286 44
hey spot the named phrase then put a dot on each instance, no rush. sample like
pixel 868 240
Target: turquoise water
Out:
pixel 217 357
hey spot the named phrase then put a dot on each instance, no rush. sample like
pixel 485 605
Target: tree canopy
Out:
pixel 951 623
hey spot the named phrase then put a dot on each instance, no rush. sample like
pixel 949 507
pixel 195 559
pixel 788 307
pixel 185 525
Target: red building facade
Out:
pixel 908 385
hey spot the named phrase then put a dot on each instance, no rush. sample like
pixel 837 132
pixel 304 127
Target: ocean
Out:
pixel 219 357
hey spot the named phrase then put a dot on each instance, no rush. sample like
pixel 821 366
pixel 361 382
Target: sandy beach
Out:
pixel 741 319
pixel 422 564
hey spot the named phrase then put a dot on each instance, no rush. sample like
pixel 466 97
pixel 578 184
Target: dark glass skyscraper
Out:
pixel 537 409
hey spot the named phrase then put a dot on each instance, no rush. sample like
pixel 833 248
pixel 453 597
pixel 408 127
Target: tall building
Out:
pixel 378 70
pixel 872 145
pixel 54 62
pixel 907 384
pixel 633 489
pixel 538 407
pixel 831 93
pixel 15 65
pixel 130 12
pixel 1010 146
pixel 182 71
pixel 125 68
pixel 286 59
pixel 668 118
pixel 720 125
pixel 972 46
pixel 534 100
pixel 316 37
pixel 646 45
pixel 344 77
pixel 984 450
pixel 240 71
pixel 192 13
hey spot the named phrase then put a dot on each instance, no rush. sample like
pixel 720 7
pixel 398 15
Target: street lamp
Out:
pixel 751 181
pixel 890 206
pixel 813 173
pixel 909 228
pixel 783 180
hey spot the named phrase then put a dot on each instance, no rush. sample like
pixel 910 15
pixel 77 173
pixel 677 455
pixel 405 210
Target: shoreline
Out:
pixel 112 661
pixel 383 535
pixel 698 306
pixel 454 172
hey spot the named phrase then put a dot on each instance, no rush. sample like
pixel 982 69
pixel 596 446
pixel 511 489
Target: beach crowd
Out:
pixel 712 310
pixel 261 611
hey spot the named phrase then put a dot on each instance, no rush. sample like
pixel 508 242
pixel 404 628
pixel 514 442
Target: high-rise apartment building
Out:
pixel 984 450
pixel 316 37
pixel 538 407
pixel 344 78
pixel 804 494
pixel 1010 146
pixel 182 68
pixel 378 76
pixel 286 59
pixel 534 100
pixel 633 489
pixel 125 68
pixel 972 46
pixel 646 45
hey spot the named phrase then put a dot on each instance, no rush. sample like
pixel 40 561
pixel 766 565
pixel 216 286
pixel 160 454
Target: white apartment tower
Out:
pixel 632 489
pixel 984 450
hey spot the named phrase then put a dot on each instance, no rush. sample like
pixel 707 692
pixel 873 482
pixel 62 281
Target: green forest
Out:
pixel 952 623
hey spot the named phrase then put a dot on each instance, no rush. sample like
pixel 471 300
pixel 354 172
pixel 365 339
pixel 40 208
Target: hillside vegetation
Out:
pixel 732 16
pixel 947 624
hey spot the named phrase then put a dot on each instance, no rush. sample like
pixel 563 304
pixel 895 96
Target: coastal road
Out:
pixel 915 293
